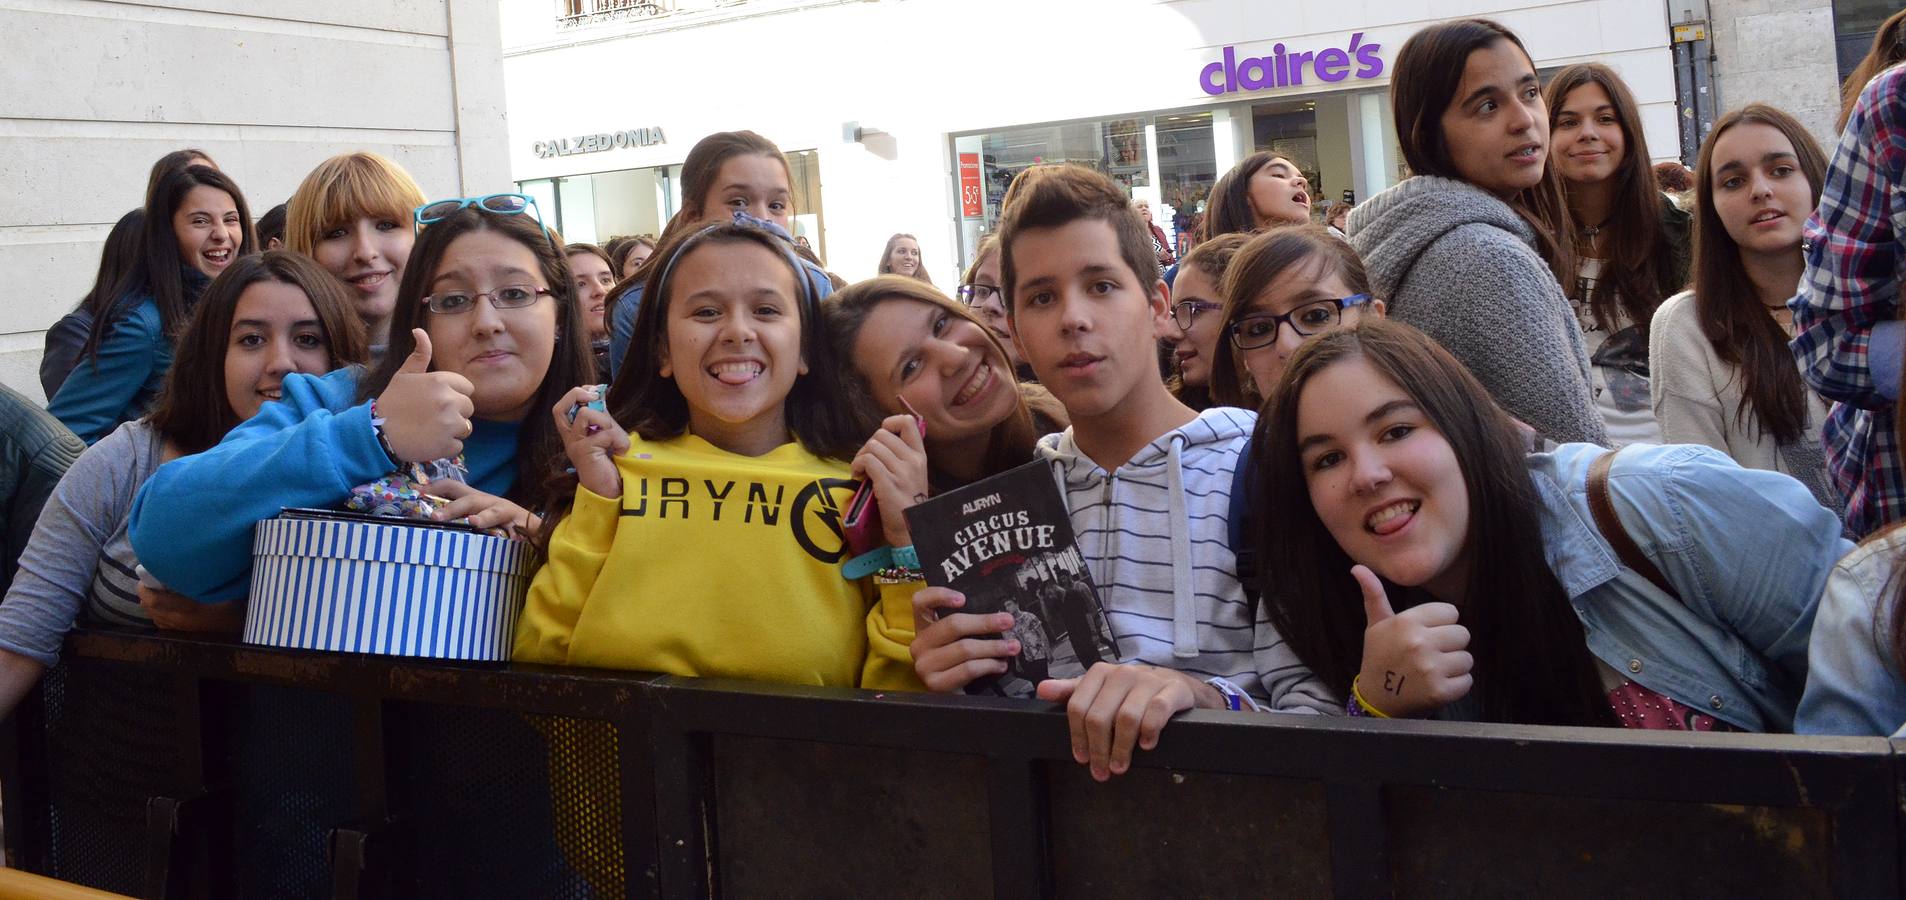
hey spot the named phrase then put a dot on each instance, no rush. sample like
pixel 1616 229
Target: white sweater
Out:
pixel 1696 395
pixel 1155 536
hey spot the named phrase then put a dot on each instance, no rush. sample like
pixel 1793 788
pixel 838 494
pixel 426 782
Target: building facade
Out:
pixel 912 115
pixel 93 91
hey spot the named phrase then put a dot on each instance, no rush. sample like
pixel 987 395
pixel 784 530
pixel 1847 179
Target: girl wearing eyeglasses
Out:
pixel 1194 329
pixel 353 215
pixel 980 292
pixel 1284 286
pixel 483 339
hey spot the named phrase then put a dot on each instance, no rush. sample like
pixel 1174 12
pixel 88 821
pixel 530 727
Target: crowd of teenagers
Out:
pixel 1530 437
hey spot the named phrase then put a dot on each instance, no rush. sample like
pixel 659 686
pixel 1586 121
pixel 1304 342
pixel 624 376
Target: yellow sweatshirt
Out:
pixel 717 565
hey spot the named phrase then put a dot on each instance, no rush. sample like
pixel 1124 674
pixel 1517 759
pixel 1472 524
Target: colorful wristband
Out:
pixel 1233 698
pixel 881 558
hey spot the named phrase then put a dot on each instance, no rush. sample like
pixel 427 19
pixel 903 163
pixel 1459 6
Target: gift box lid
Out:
pixel 336 534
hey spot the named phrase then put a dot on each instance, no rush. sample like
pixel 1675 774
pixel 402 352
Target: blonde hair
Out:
pixel 344 188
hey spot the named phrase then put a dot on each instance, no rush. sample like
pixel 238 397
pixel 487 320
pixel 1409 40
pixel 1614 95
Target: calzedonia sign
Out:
pixel 596 143
pixel 1286 68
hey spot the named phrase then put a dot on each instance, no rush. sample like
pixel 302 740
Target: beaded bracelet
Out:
pixel 898 575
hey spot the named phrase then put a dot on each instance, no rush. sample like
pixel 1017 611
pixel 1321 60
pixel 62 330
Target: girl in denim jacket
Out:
pixel 1427 566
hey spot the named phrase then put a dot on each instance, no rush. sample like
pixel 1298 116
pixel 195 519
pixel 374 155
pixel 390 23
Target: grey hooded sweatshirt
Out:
pixel 1156 539
pixel 1456 262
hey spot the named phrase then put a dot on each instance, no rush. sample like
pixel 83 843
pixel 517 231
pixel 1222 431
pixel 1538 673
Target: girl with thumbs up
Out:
pixel 1424 565
pixel 482 334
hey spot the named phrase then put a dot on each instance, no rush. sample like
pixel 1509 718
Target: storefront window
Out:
pixel 1854 24
pixel 1177 179
pixel 591 209
pixel 594 208
pixel 1187 167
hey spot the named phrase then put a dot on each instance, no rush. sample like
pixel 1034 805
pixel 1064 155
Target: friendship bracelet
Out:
pixel 1364 705
pixel 898 575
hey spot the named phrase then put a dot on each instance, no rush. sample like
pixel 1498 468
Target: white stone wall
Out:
pixel 93 91
pixel 1779 52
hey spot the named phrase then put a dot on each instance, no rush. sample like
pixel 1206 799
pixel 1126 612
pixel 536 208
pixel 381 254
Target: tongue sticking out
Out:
pixel 1392 521
pixel 732 374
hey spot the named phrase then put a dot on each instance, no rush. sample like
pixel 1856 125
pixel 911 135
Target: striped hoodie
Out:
pixel 1156 539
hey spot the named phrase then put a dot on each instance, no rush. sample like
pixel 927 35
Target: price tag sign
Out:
pixel 972 194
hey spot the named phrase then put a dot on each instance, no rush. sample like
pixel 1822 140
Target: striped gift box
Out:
pixel 370 587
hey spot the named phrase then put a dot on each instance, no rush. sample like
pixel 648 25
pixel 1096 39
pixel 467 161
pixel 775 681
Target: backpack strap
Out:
pixel 1235 521
pixel 1602 507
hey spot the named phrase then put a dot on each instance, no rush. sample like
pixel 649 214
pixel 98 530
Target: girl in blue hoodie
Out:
pixel 484 339
pixel 196 224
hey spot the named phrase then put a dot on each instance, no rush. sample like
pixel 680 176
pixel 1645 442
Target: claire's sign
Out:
pixel 1284 69
pixel 596 143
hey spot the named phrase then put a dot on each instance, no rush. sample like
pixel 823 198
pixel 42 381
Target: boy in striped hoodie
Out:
pixel 1147 481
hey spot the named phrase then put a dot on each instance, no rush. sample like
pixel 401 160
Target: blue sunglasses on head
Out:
pixel 501 204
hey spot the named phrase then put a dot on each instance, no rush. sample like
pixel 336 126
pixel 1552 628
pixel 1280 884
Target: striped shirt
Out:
pixel 79 558
pixel 1155 535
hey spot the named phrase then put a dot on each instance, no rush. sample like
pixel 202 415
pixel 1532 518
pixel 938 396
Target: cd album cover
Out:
pixel 1007 544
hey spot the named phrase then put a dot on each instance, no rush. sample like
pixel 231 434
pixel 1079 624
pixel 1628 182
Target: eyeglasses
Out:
pixel 1186 311
pixel 1252 332
pixel 976 294
pixel 509 296
pixel 501 204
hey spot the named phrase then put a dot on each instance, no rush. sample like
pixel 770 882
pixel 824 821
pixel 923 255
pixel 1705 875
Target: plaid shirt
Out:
pixel 1847 311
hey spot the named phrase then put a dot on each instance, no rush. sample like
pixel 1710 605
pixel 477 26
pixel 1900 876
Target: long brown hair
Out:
pixel 159 270
pixel 1261 261
pixel 1889 49
pixel 845 312
pixel 1519 616
pixel 1726 302
pixel 699 170
pixel 1230 210
pixel 1640 270
pixel 886 258
pixel 192 412
pixel 570 363
pixel 1428 71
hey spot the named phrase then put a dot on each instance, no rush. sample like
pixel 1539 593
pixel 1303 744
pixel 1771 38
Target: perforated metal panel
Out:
pixel 506 805
pixel 109 735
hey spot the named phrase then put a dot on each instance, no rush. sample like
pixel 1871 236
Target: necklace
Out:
pixel 1592 232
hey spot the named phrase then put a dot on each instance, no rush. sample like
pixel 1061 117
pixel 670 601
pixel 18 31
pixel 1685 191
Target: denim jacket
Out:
pixel 1854 685
pixel 1748 551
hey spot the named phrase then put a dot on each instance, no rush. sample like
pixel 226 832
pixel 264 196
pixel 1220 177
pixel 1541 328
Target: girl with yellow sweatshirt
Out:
pixel 708 542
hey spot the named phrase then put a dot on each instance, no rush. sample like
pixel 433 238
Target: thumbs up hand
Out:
pixel 1414 662
pixel 426 414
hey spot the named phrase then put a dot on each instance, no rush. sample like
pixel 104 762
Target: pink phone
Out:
pixel 861 526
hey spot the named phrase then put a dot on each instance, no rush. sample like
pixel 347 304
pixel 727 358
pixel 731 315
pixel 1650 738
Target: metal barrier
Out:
pixel 161 766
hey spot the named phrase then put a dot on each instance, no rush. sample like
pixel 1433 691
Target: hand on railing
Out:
pixel 1116 707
